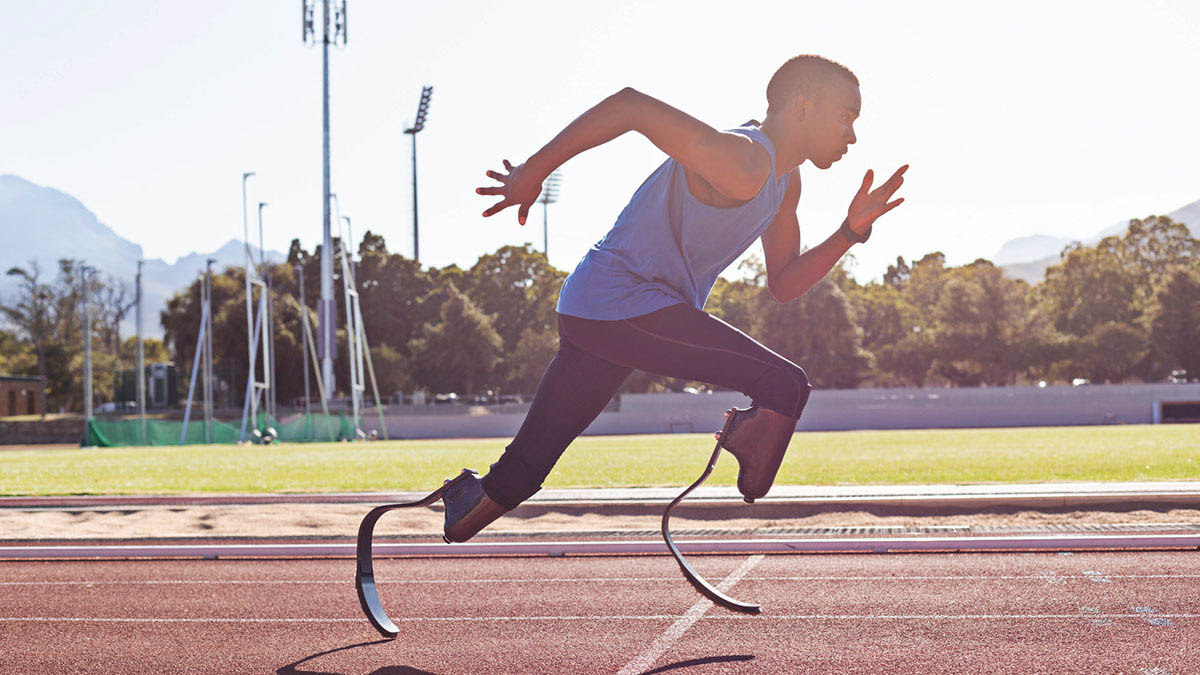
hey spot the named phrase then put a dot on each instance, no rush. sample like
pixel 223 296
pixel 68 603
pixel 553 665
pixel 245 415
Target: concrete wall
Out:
pixel 842 410
pixel 37 432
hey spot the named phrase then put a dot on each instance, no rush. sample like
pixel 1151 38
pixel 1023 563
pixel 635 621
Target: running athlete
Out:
pixel 636 298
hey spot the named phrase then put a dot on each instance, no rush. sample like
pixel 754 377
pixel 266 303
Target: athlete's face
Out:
pixel 829 123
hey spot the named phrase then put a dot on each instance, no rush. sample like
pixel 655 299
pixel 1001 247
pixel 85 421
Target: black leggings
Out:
pixel 595 357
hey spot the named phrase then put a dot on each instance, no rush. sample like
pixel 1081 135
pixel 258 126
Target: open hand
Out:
pixel 869 204
pixel 519 186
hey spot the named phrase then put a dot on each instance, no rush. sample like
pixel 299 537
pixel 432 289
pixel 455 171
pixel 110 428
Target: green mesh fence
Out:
pixel 306 428
pixel 296 429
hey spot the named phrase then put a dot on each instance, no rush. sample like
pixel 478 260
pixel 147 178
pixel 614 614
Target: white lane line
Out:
pixel 648 656
pixel 1052 577
pixel 617 617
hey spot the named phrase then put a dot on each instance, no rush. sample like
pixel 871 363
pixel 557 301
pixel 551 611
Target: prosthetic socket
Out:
pixel 758 438
pixel 468 510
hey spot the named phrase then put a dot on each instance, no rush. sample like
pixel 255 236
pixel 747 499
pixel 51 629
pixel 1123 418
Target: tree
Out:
pixel 818 332
pixel 896 334
pixel 518 286
pixel 981 320
pixel 526 362
pixel 1112 352
pixel 394 293
pixel 459 352
pixel 897 274
pixel 16 357
pixel 1091 286
pixel 1153 248
pixel 922 286
pixel 113 304
pixel 1114 280
pixel 1175 322
pixel 31 311
pixel 735 302
pixel 391 369
pixel 181 324
pixel 155 351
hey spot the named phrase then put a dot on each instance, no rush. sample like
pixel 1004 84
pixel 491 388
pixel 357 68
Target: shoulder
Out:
pixel 750 152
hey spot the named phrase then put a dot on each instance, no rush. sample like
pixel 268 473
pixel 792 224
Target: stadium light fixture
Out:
pixel 418 125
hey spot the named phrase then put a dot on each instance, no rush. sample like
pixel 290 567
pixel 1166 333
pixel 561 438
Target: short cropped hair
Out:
pixel 807 74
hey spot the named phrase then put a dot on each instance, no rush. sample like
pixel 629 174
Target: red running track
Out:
pixel 1136 612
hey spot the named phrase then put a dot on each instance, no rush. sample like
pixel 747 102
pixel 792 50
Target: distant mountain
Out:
pixel 1028 257
pixel 1023 249
pixel 44 224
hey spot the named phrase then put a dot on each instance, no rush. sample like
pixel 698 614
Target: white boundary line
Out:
pixel 593 580
pixel 560 548
pixel 659 647
pixel 600 617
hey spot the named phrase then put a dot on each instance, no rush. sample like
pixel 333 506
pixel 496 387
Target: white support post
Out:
pixel 187 412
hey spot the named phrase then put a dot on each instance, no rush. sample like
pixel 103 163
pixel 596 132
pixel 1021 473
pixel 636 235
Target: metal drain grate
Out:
pixel 856 531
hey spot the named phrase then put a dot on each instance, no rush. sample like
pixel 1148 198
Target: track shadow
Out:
pixel 291 668
pixel 678 665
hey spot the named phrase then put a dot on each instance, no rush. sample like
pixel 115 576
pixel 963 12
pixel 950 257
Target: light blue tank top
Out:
pixel 667 247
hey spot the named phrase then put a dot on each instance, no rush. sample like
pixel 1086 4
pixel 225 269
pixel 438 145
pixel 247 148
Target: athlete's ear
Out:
pixel 801 105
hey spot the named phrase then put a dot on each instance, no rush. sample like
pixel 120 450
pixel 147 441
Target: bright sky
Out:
pixel 1017 117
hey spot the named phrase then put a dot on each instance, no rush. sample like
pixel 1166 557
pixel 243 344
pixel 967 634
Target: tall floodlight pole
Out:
pixel 140 367
pixel 249 292
pixel 262 254
pixel 350 239
pixel 549 196
pixel 422 112
pixel 338 37
pixel 209 379
pixel 85 273
pixel 303 336
pixel 268 329
pixel 272 401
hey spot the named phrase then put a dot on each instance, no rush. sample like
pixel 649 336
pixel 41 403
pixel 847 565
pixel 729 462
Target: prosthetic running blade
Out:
pixel 706 589
pixel 364 575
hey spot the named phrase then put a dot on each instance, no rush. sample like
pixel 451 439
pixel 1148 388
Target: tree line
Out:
pixel 1126 309
pixel 42 331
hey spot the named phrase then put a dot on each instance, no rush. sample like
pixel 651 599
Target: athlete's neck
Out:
pixel 786 155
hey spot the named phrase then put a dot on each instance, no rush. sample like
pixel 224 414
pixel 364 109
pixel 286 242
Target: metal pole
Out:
pixel 201 348
pixel 140 367
pixel 326 314
pixel 87 349
pixel 268 334
pixel 416 236
pixel 548 197
pixel 303 337
pixel 208 356
pixel 262 255
pixel 251 390
pixel 187 410
pixel 248 272
pixel 350 238
pixel 272 399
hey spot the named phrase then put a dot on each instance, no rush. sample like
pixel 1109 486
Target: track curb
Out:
pixel 646 547
pixel 1032 500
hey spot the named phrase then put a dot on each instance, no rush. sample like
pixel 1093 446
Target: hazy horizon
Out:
pixel 1017 119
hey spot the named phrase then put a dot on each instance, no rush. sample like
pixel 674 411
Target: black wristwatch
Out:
pixel 852 236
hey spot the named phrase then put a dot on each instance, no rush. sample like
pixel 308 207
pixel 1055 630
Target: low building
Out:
pixel 21 396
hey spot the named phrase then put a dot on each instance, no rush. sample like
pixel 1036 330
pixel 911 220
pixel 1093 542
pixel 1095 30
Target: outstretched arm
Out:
pixel 791 273
pixel 733 164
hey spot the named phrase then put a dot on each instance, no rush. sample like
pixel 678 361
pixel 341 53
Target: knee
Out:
pixel 784 389
pixel 803 387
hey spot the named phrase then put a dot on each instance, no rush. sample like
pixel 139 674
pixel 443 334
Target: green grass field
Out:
pixel 1099 453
